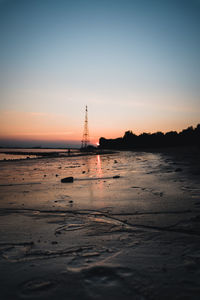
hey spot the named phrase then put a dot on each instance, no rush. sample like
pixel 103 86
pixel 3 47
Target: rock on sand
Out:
pixel 67 179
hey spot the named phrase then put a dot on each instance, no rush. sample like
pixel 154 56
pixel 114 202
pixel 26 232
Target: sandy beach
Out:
pixel 136 236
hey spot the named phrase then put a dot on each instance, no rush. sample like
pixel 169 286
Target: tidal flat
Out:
pixel 127 227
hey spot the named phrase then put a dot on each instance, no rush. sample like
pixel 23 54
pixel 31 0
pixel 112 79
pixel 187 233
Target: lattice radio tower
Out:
pixel 85 141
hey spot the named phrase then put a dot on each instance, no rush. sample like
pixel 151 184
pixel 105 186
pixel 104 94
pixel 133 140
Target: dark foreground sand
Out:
pixel 133 237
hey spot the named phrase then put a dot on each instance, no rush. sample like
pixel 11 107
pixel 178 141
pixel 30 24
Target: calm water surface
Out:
pixel 9 154
pixel 146 181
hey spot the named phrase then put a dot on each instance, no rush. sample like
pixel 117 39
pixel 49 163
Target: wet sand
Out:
pixel 132 237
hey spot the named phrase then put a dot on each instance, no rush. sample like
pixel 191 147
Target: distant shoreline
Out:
pixel 43 155
pixel 41 148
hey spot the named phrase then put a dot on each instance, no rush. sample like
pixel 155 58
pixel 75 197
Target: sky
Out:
pixel 135 63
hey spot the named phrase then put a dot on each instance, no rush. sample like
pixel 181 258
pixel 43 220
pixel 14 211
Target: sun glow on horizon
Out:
pixel 38 127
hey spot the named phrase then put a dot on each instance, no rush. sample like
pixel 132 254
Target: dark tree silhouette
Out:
pixel 187 137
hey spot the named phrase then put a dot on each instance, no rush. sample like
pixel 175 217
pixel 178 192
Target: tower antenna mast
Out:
pixel 85 141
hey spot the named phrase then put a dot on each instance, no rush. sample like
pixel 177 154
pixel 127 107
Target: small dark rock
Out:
pixel 135 187
pixel 71 201
pixel 45 175
pixel 54 242
pixel 115 161
pixel 67 179
pixel 83 172
pixel 57 175
pixel 116 176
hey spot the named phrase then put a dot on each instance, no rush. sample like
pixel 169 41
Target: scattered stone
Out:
pixel 57 175
pixel 83 172
pixel 135 187
pixel 115 161
pixel 67 179
pixel 54 242
pixel 178 170
pixel 45 175
pixel 116 176
pixel 71 201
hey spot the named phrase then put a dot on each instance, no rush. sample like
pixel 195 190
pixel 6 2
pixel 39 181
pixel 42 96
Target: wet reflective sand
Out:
pixel 100 237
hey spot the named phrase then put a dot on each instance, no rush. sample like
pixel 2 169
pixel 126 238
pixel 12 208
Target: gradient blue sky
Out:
pixel 136 64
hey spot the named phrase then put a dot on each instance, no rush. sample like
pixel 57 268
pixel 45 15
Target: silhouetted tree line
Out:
pixel 187 137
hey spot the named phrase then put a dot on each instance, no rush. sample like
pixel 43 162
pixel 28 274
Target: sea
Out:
pixel 27 153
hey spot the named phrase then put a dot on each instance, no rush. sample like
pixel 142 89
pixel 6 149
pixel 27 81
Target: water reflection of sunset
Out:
pixel 99 169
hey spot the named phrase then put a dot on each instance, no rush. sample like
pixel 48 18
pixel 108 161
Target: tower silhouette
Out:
pixel 85 141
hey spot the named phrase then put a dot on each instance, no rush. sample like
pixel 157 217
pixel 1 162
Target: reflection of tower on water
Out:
pixel 85 141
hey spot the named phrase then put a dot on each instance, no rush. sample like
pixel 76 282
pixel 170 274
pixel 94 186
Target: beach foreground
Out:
pixel 135 236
